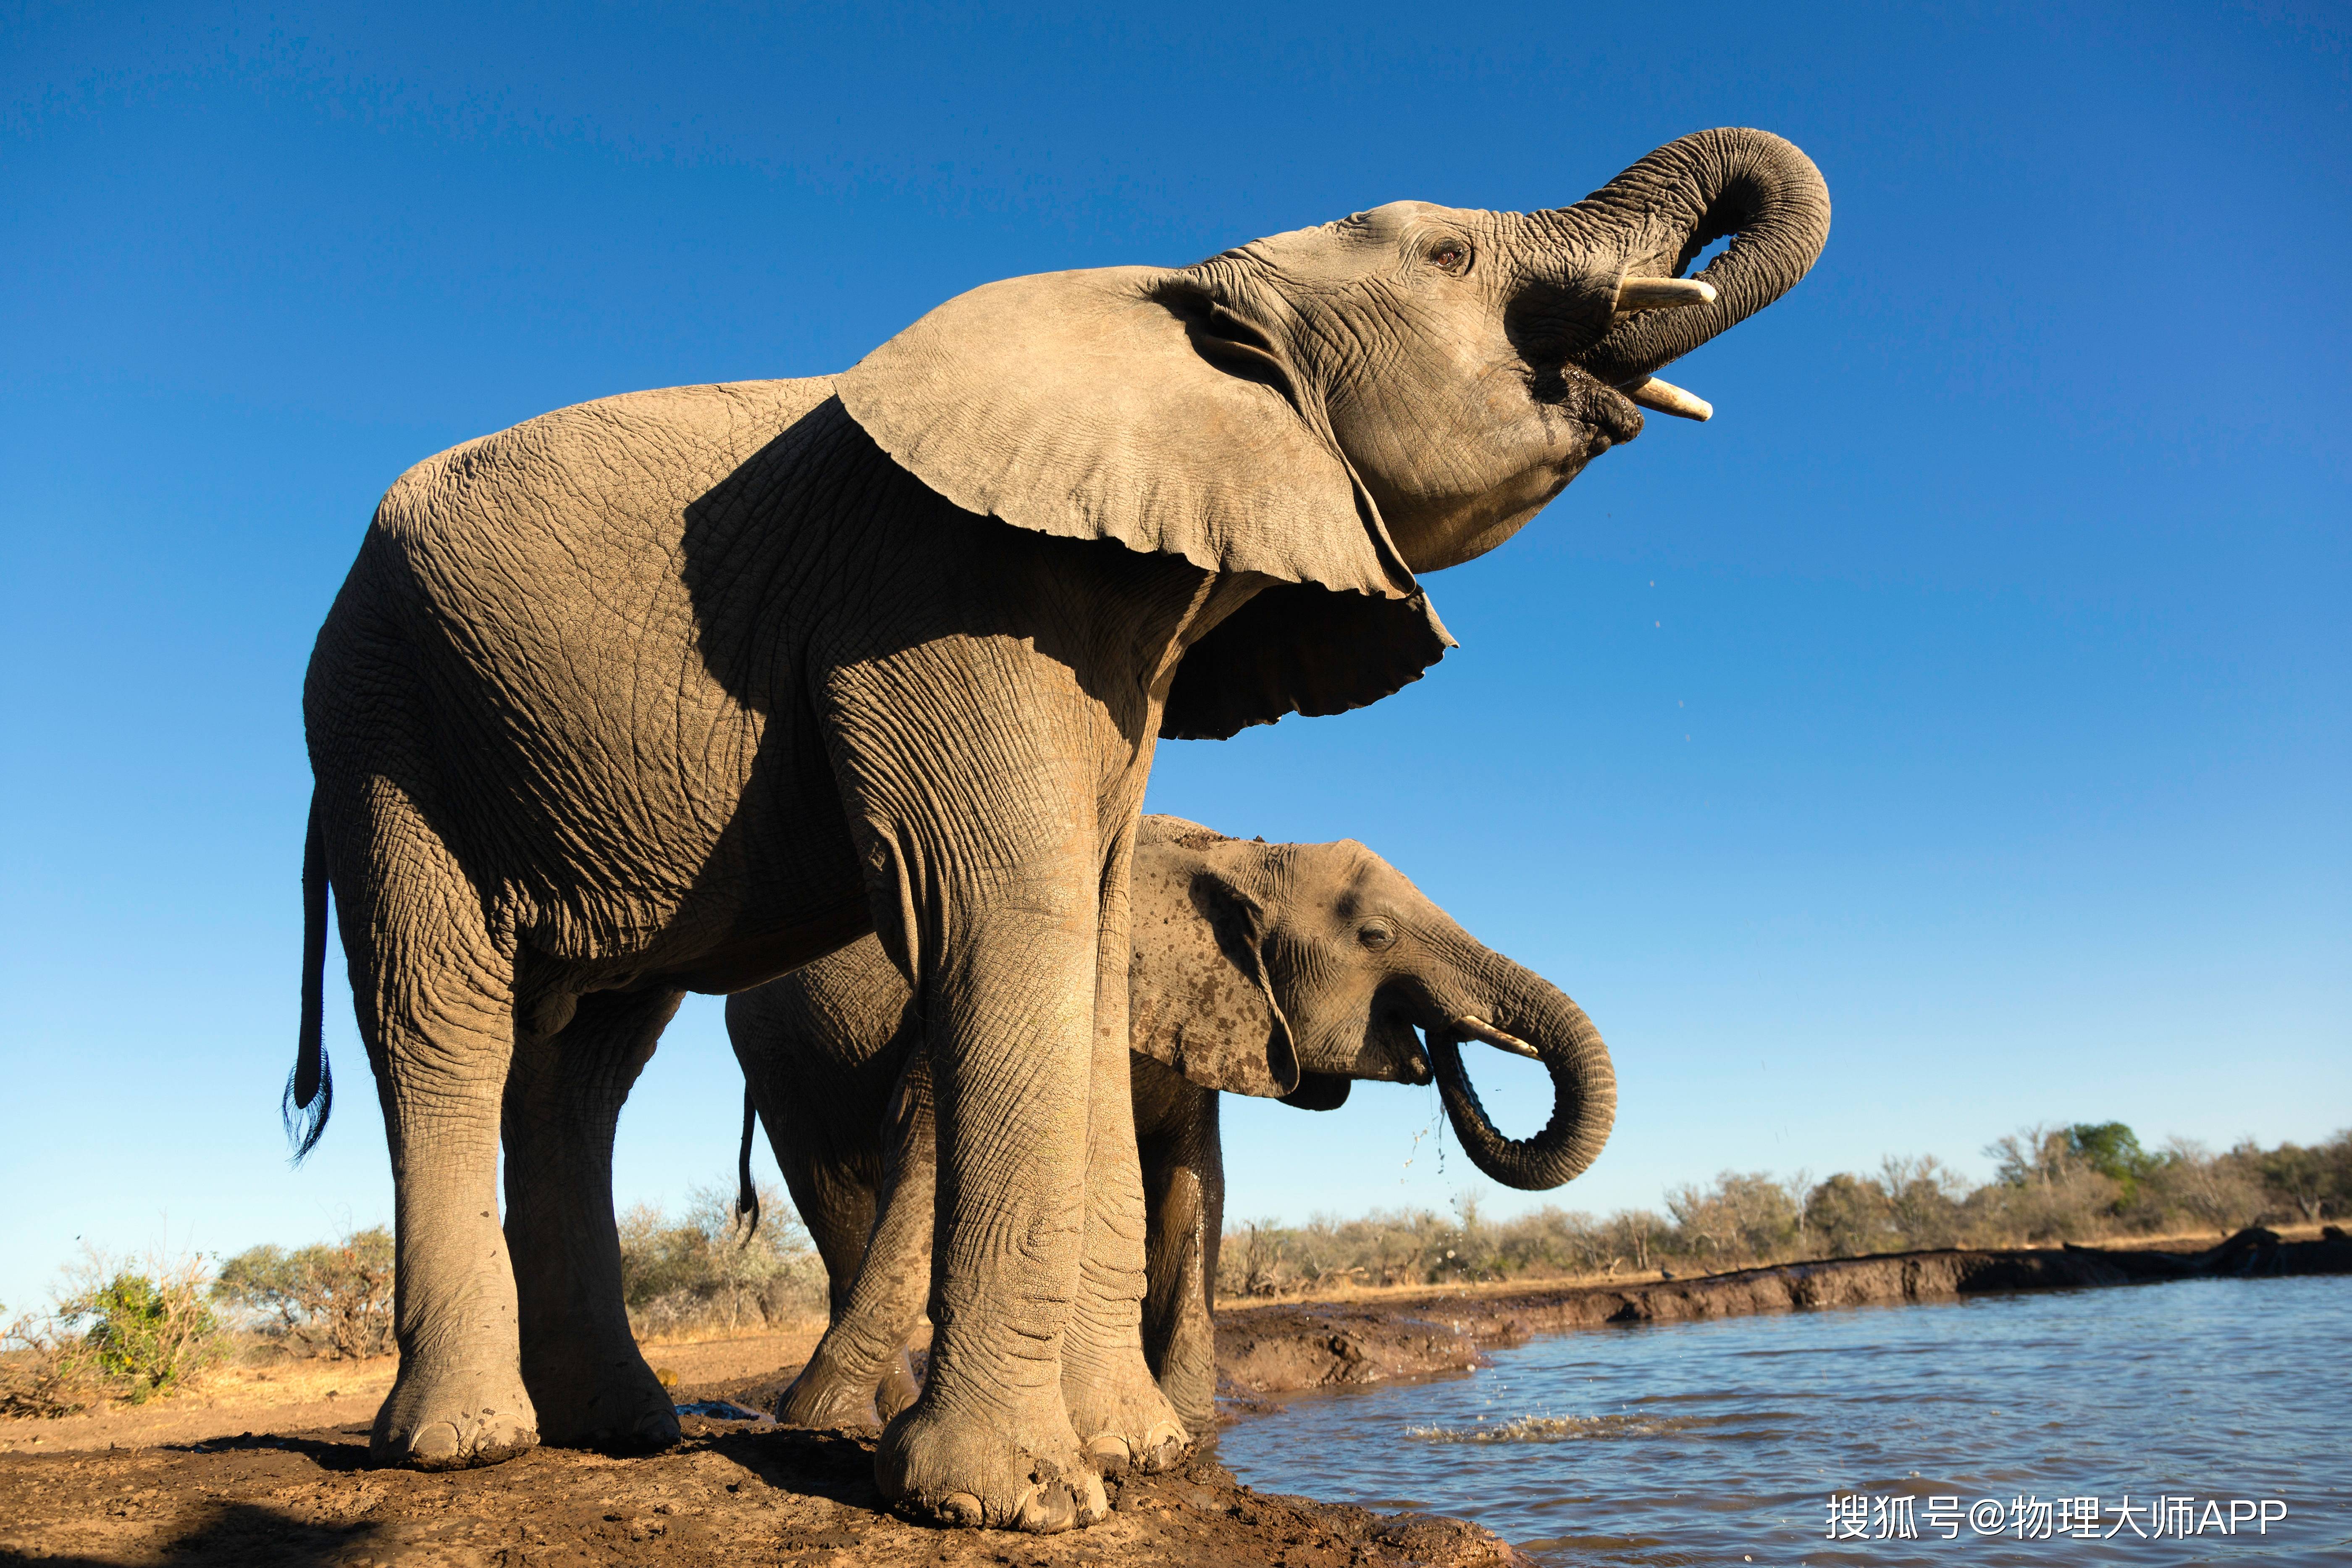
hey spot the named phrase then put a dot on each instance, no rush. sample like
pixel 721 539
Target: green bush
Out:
pixel 2313 1184
pixel 147 1332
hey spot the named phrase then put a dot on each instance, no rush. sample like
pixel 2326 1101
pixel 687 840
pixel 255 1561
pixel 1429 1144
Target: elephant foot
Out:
pixel 1125 1419
pixel 452 1421
pixel 824 1397
pixel 1191 1389
pixel 898 1389
pixel 625 1411
pixel 989 1471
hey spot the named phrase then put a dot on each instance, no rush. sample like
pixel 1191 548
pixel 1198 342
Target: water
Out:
pixel 1722 1442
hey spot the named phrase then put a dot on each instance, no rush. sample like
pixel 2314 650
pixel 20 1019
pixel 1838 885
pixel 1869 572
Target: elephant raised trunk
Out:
pixel 1530 1018
pixel 1660 213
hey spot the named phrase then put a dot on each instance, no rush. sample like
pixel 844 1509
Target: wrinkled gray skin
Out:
pixel 679 690
pixel 1266 969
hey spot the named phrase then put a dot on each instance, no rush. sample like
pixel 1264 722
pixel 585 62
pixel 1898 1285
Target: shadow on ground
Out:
pixel 731 1493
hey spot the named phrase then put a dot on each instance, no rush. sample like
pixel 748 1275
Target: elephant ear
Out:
pixel 1200 999
pixel 1297 649
pixel 1319 1091
pixel 1086 404
pixel 1132 404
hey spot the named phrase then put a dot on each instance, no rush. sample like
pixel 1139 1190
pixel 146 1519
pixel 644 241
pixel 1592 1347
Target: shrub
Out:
pixel 2309 1182
pixel 147 1332
pixel 2221 1192
pixel 333 1299
pixel 1637 1239
pixel 1852 1216
pixel 1550 1240
pixel 39 1376
pixel 711 1273
pixel 1743 1218
pixel 2112 1150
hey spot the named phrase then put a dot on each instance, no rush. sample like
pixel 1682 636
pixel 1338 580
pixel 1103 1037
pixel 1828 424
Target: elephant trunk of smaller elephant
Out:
pixel 1528 1017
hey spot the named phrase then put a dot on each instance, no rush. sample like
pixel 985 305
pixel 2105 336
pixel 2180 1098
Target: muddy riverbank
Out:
pixel 1267 1351
pixel 287 1494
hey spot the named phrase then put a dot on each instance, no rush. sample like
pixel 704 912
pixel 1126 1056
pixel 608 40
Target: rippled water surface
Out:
pixel 1723 1442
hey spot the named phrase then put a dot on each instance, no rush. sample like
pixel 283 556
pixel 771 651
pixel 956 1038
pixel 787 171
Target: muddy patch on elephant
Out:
pixel 732 1492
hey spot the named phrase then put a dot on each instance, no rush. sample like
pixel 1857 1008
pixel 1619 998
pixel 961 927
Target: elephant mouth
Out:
pixel 1398 1051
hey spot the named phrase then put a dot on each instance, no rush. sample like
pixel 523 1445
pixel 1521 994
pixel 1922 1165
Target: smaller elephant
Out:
pixel 1275 970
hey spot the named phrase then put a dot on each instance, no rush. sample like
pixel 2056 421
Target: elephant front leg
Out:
pixel 1010 1010
pixel 587 1376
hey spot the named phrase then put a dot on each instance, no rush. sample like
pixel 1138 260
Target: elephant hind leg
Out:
pixel 563 1096
pixel 858 1375
pixel 433 989
pixel 1184 1187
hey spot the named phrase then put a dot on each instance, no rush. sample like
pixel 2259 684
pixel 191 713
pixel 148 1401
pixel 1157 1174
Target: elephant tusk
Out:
pixel 1667 398
pixel 1662 294
pixel 1479 1029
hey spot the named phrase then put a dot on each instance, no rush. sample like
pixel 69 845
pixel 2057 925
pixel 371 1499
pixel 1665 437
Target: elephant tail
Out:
pixel 311 1087
pixel 747 1195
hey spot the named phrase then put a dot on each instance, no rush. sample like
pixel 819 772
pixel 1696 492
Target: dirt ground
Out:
pixel 729 1494
pixel 267 1471
pixel 267 1467
pixel 308 1396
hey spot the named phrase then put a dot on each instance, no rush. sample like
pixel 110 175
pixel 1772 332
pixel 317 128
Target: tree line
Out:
pixel 136 1328
pixel 2086 1183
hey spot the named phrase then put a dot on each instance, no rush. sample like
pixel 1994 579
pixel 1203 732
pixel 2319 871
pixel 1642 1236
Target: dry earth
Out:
pixel 264 1470
pixel 268 1468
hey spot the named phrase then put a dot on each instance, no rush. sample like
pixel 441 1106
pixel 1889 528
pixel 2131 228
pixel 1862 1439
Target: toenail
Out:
pixel 960 1509
pixel 437 1441
pixel 1110 1453
pixel 1048 1510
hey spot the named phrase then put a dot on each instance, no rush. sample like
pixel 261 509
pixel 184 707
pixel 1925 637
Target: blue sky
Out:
pixel 1953 734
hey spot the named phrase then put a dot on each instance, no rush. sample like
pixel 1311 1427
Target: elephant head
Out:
pixel 1289 969
pixel 1339 409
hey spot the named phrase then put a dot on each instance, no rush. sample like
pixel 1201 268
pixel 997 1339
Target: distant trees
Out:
pixel 2085 1182
pixel 135 1330
pixel 711 1273
pixel 332 1298
pixel 2310 1179
pixel 1742 1218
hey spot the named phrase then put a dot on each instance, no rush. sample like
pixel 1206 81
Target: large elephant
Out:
pixel 1279 970
pixel 679 690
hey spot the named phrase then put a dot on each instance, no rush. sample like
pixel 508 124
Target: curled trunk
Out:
pixel 1659 215
pixel 1528 1009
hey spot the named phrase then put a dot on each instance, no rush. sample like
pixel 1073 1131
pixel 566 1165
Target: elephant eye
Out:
pixel 1452 254
pixel 1376 934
